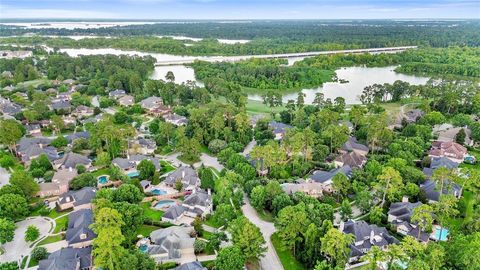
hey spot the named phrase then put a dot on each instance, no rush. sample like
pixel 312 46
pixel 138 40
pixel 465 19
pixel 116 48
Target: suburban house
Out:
pixel 175 119
pixel 449 134
pixel 352 145
pixel 151 103
pixel 348 124
pixel 59 184
pixel 69 120
pixel 400 214
pixel 61 105
pixel 439 162
pixel 352 159
pixel 142 146
pixel 117 93
pixel 312 189
pixel 70 160
pixel 366 236
pixel 197 204
pixel 129 165
pixel 413 115
pixel 126 100
pixel 191 266
pixel 33 130
pixel 31 148
pixel 79 234
pixel 451 150
pixel 172 244
pixel 186 175
pixel 68 259
pixel 325 178
pixel 9 108
pixel 76 199
pixel 432 193
pixel 279 129
pixel 77 135
pixel 82 111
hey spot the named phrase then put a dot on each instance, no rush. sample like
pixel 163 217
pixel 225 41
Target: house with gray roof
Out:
pixel 439 162
pixel 352 145
pixel 71 160
pixel 432 192
pixel 191 266
pixel 325 178
pixel 77 199
pixel 171 244
pixel 400 214
pixel 117 93
pixel 33 130
pixel 59 184
pixel 151 103
pixel 279 129
pixel 10 108
pixel 61 105
pixel 77 135
pixel 78 232
pixel 142 146
pixel 30 148
pixel 175 119
pixel 197 204
pixel 366 236
pixel 413 115
pixel 68 259
pixel 186 175
pixel 352 159
pixel 129 165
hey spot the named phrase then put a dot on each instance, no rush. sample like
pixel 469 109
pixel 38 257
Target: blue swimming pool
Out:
pixel 133 174
pixel 103 179
pixel 157 191
pixel 143 248
pixel 443 236
pixel 164 204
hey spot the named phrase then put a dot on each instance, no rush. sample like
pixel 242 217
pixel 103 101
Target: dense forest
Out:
pixel 263 74
pixel 266 37
pixel 364 33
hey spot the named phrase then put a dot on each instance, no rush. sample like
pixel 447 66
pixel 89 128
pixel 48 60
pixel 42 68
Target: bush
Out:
pixel 7 161
pixel 32 233
pixel 39 253
pixel 44 211
pixel 48 176
pixel 199 246
pixel 217 145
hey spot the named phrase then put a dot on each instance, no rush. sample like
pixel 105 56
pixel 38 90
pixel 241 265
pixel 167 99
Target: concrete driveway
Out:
pixel 18 248
pixel 209 161
pixel 4 177
pixel 270 261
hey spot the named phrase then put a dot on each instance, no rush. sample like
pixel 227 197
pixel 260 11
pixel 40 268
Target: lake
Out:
pixel 358 78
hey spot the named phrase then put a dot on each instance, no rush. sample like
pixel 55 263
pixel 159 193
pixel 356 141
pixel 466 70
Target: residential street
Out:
pixel 270 261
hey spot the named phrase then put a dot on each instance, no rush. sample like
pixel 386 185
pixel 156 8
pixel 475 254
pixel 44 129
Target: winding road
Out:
pixel 270 261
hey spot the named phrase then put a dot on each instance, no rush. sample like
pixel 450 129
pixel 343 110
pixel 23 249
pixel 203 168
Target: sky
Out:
pixel 240 9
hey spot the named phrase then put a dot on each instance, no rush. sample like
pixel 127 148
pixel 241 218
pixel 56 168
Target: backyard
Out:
pixel 288 261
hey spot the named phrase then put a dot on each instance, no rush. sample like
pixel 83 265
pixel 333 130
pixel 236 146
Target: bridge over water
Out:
pixel 189 60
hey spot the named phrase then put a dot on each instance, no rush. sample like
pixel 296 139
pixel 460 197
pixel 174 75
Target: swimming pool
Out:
pixel 443 236
pixel 143 248
pixel 103 179
pixel 164 204
pixel 157 191
pixel 133 174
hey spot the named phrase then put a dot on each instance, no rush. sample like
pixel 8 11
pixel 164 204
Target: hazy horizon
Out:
pixel 239 10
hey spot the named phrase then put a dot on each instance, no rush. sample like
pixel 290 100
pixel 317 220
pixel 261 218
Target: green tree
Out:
pixel 146 169
pixel 341 184
pixel 224 213
pixel 128 193
pixel 11 133
pixel 335 246
pixel 258 197
pixel 345 210
pixel 389 183
pixel 39 253
pixel 7 230
pixel 230 258
pixel 59 142
pixel 248 238
pixel 291 222
pixel 445 209
pixel 423 216
pixel 199 246
pixel 374 256
pixel 103 159
pixel 32 233
pixel 24 181
pixel 376 215
pixel 13 206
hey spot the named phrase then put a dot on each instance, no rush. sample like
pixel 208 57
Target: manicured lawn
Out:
pixel 257 107
pixel 188 161
pixel 32 262
pixel 166 167
pixel 61 224
pixel 150 213
pixel 53 213
pixel 286 257
pixel 104 171
pixel 265 215
pixel 145 230
pixel 211 223
pixel 50 239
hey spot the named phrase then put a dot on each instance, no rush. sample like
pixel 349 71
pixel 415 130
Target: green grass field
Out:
pixel 150 213
pixel 145 230
pixel 61 224
pixel 286 257
pixel 50 239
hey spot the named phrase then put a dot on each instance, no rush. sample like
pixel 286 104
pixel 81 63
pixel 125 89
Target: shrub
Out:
pixel 32 233
pixel 199 246
pixel 39 253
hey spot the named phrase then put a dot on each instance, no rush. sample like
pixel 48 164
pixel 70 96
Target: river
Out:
pixel 358 77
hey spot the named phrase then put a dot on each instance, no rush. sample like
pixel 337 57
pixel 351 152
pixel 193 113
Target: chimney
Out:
pixel 209 192
pixel 70 169
pixel 405 199
pixel 372 237
pixel 183 173
pixel 342 226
